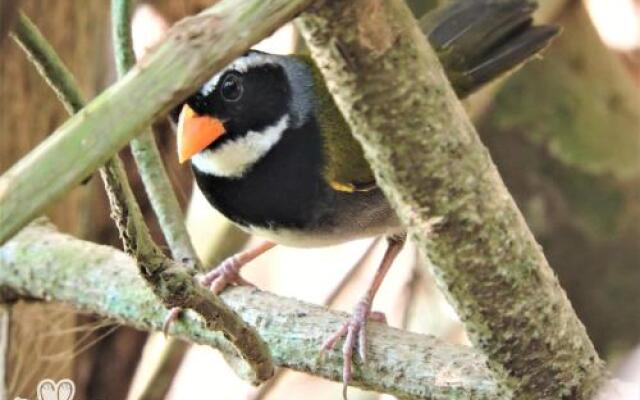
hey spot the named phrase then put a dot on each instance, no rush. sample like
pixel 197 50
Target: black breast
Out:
pixel 285 189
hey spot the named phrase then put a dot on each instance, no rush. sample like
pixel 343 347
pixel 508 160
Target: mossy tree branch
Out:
pixel 565 134
pixel 42 263
pixel 194 49
pixel 171 281
pixel 432 166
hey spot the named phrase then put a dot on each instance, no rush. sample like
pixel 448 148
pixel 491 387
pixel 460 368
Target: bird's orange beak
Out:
pixel 196 132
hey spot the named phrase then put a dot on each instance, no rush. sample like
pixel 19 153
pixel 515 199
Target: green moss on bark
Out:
pixel 583 209
pixel 42 263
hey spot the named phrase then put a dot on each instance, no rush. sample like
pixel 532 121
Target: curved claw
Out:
pixel 362 342
pixel 228 272
pixel 331 340
pixel 354 332
pixel 226 277
pixel 172 316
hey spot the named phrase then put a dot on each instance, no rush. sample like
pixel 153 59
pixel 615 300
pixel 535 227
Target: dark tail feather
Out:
pixel 479 40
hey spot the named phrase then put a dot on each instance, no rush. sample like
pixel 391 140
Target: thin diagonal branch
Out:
pixel 42 263
pixel 172 282
pixel 161 358
pixel 48 64
pixel 145 152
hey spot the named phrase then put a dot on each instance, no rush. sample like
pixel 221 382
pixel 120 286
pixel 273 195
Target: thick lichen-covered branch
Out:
pixel 194 49
pixel 42 263
pixel 440 179
pixel 171 281
pixel 565 134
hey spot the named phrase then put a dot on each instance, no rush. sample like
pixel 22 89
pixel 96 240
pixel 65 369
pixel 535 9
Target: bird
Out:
pixel 270 150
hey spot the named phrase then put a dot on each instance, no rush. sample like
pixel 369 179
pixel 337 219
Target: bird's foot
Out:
pixel 228 272
pixel 171 317
pixel 225 274
pixel 355 333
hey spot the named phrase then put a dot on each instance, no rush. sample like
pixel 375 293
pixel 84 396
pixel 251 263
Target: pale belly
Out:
pixel 306 239
pixel 352 217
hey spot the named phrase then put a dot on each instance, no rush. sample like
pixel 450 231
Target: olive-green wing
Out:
pixel 346 168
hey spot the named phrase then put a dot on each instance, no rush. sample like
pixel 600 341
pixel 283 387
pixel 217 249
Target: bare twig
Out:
pixel 42 263
pixel 145 152
pixel 171 281
pixel 50 66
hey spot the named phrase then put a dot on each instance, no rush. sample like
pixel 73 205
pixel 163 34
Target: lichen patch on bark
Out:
pixel 375 31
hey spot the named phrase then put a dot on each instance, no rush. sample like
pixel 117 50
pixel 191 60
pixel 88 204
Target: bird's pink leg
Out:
pixel 226 273
pixel 355 330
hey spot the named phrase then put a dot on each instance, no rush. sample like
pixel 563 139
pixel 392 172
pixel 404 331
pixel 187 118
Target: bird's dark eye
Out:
pixel 231 88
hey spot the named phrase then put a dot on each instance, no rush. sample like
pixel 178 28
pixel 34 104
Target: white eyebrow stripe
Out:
pixel 211 84
pixel 241 65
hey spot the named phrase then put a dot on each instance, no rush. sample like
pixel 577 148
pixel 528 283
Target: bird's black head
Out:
pixel 238 115
pixel 245 97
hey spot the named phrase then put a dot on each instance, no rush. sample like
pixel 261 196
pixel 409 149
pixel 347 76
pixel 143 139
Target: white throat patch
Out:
pixel 234 158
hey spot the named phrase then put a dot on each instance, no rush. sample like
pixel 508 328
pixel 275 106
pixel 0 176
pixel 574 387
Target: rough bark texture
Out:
pixel 177 66
pixel 435 171
pixel 214 241
pixel 565 134
pixel 101 279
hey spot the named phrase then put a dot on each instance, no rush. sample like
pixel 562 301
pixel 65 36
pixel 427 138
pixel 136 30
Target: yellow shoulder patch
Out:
pixel 342 187
pixel 352 187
